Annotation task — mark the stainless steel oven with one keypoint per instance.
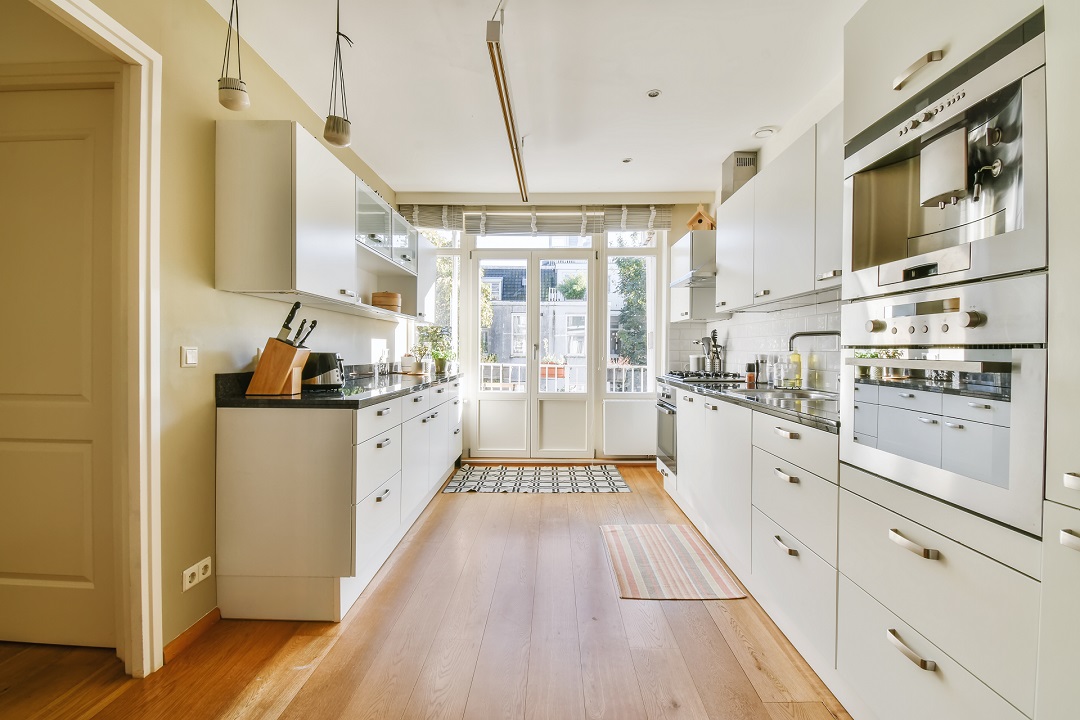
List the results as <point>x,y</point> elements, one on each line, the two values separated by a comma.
<point>665,431</point>
<point>945,391</point>
<point>957,191</point>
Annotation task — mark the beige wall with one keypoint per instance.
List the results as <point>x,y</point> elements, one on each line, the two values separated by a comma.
<point>226,327</point>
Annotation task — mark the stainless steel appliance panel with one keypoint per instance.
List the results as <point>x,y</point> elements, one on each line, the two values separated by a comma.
<point>665,427</point>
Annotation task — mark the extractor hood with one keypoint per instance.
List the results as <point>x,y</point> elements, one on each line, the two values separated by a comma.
<point>700,278</point>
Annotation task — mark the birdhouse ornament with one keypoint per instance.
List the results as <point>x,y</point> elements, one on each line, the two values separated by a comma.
<point>701,220</point>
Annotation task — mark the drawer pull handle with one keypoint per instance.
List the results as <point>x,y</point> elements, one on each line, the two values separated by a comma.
<point>1071,481</point>
<point>919,550</point>
<point>892,637</point>
<point>1070,540</point>
<point>928,421</point>
<point>687,398</point>
<point>711,407</point>
<point>785,477</point>
<point>384,443</point>
<point>978,406</point>
<point>456,432</point>
<point>829,275</point>
<point>906,395</point>
<point>780,544</point>
<point>418,399</point>
<point>958,426</point>
<point>348,293</point>
<point>440,391</point>
<point>383,413</point>
<point>900,80</point>
<point>434,415</point>
<point>424,419</point>
<point>786,434</point>
<point>762,293</point>
<point>382,496</point>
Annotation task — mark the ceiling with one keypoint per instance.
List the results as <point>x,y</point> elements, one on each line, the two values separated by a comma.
<point>426,115</point>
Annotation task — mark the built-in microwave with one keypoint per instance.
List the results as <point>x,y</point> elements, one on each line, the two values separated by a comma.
<point>957,191</point>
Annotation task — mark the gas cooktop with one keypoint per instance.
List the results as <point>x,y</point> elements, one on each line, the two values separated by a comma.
<point>704,377</point>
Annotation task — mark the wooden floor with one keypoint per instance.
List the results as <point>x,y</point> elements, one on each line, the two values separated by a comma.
<point>493,606</point>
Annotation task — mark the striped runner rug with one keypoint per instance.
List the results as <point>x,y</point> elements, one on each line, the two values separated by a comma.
<point>667,562</point>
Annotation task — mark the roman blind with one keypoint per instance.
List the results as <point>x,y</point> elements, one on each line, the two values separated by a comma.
<point>438,217</point>
<point>539,220</point>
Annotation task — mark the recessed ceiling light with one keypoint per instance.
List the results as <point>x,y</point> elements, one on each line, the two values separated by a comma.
<point>764,132</point>
<point>654,93</point>
<point>628,160</point>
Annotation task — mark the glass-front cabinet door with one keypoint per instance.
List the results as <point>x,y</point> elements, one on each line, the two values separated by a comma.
<point>403,243</point>
<point>372,220</point>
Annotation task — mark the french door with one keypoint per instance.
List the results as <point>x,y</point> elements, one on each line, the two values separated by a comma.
<point>535,312</point>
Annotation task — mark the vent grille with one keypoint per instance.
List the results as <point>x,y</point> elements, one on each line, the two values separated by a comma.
<point>745,162</point>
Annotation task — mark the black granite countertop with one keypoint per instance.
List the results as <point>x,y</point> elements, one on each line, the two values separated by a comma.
<point>357,392</point>
<point>819,414</point>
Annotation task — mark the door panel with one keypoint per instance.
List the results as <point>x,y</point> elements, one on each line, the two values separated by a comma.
<point>56,467</point>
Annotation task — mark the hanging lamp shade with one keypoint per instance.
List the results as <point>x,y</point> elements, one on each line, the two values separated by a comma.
<point>338,129</point>
<point>232,92</point>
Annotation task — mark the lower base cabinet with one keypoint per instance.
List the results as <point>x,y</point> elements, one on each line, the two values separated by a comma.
<point>1058,695</point>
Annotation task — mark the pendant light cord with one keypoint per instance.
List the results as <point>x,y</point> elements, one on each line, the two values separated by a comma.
<point>234,12</point>
<point>338,79</point>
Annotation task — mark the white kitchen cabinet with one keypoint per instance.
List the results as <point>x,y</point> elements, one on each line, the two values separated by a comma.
<point>829,200</point>
<point>690,437</point>
<point>735,250</point>
<point>784,223</point>
<point>1058,689</point>
<point>910,434</point>
<point>692,304</point>
<point>810,448</point>
<point>373,220</point>
<point>800,501</point>
<point>439,453</point>
<point>885,39</point>
<point>287,220</point>
<point>378,515</point>
<point>415,459</point>
<point>723,487</point>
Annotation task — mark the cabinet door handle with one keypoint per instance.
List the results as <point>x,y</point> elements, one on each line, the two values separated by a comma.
<point>919,550</point>
<point>978,406</point>
<point>384,443</point>
<point>928,421</point>
<point>829,275</point>
<point>348,293</point>
<point>383,495</point>
<point>457,431</point>
<point>684,314</point>
<point>906,395</point>
<point>785,477</point>
<point>957,426</point>
<point>1070,540</point>
<point>687,398</point>
<point>780,544</point>
<point>711,407</point>
<point>910,654</point>
<point>761,293</point>
<point>663,471</point>
<point>434,415</point>
<point>384,412</point>
<point>424,419</point>
<point>721,303</point>
<point>901,80</point>
<point>407,258</point>
<point>1071,481</point>
<point>418,399</point>
<point>786,434</point>
<point>440,391</point>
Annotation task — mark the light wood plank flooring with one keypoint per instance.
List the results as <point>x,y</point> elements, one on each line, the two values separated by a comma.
<point>493,606</point>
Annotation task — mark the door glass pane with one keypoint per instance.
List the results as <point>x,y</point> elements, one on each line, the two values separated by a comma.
<point>503,340</point>
<point>563,288</point>
<point>631,238</point>
<point>630,324</point>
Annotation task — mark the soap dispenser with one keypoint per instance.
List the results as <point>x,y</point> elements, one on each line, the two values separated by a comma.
<point>796,368</point>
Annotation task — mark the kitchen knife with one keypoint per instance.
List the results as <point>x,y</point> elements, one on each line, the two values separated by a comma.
<point>296,340</point>
<point>286,328</point>
<point>311,327</point>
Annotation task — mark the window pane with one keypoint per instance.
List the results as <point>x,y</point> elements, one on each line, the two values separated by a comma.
<point>447,300</point>
<point>563,287</point>
<point>631,304</point>
<point>442,238</point>
<point>502,325</point>
<point>632,238</point>
<point>525,242</point>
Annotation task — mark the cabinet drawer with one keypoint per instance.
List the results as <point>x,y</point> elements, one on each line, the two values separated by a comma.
<point>994,412</point>
<point>984,614</point>
<point>377,517</point>
<point>439,394</point>
<point>915,435</point>
<point>377,418</point>
<point>1059,693</point>
<point>864,392</point>
<point>927,402</point>
<point>867,440</point>
<point>454,407</point>
<point>809,448</point>
<point>799,584</point>
<point>975,450</point>
<point>802,502</point>
<point>890,682</point>
<point>415,403</point>
<point>866,418</point>
<point>455,388</point>
<point>377,460</point>
<point>457,435</point>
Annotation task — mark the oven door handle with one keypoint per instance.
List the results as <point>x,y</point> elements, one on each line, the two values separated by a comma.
<point>968,366</point>
<point>664,410</point>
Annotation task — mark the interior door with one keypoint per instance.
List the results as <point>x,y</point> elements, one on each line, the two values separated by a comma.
<point>534,396</point>
<point>56,387</point>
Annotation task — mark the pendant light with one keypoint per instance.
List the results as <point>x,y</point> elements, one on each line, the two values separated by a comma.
<point>338,130</point>
<point>232,92</point>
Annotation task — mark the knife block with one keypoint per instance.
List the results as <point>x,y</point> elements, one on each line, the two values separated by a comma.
<point>279,370</point>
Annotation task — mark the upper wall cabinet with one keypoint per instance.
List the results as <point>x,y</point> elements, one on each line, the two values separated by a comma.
<point>735,250</point>
<point>829,203</point>
<point>287,220</point>
<point>784,223</point>
<point>693,271</point>
<point>887,45</point>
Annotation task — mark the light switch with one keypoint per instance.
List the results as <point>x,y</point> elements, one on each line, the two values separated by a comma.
<point>189,356</point>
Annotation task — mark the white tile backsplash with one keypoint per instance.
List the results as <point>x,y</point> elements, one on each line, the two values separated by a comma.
<point>681,337</point>
<point>747,335</point>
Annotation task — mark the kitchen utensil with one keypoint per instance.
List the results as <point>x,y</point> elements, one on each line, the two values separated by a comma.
<point>286,327</point>
<point>300,331</point>
<point>706,345</point>
<point>311,329</point>
<point>280,369</point>
<point>324,370</point>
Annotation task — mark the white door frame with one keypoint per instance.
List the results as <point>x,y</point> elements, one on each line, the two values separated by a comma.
<point>137,402</point>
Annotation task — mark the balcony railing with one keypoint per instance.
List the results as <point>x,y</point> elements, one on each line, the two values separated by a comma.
<point>511,377</point>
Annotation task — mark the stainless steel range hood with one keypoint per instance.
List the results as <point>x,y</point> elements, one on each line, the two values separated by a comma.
<point>700,278</point>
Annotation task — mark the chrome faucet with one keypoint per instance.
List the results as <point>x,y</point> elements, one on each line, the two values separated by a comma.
<point>810,333</point>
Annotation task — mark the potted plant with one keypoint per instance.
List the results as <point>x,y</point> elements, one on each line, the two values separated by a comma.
<point>552,366</point>
<point>436,340</point>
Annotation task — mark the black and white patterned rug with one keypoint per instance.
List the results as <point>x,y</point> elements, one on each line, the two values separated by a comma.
<point>537,479</point>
